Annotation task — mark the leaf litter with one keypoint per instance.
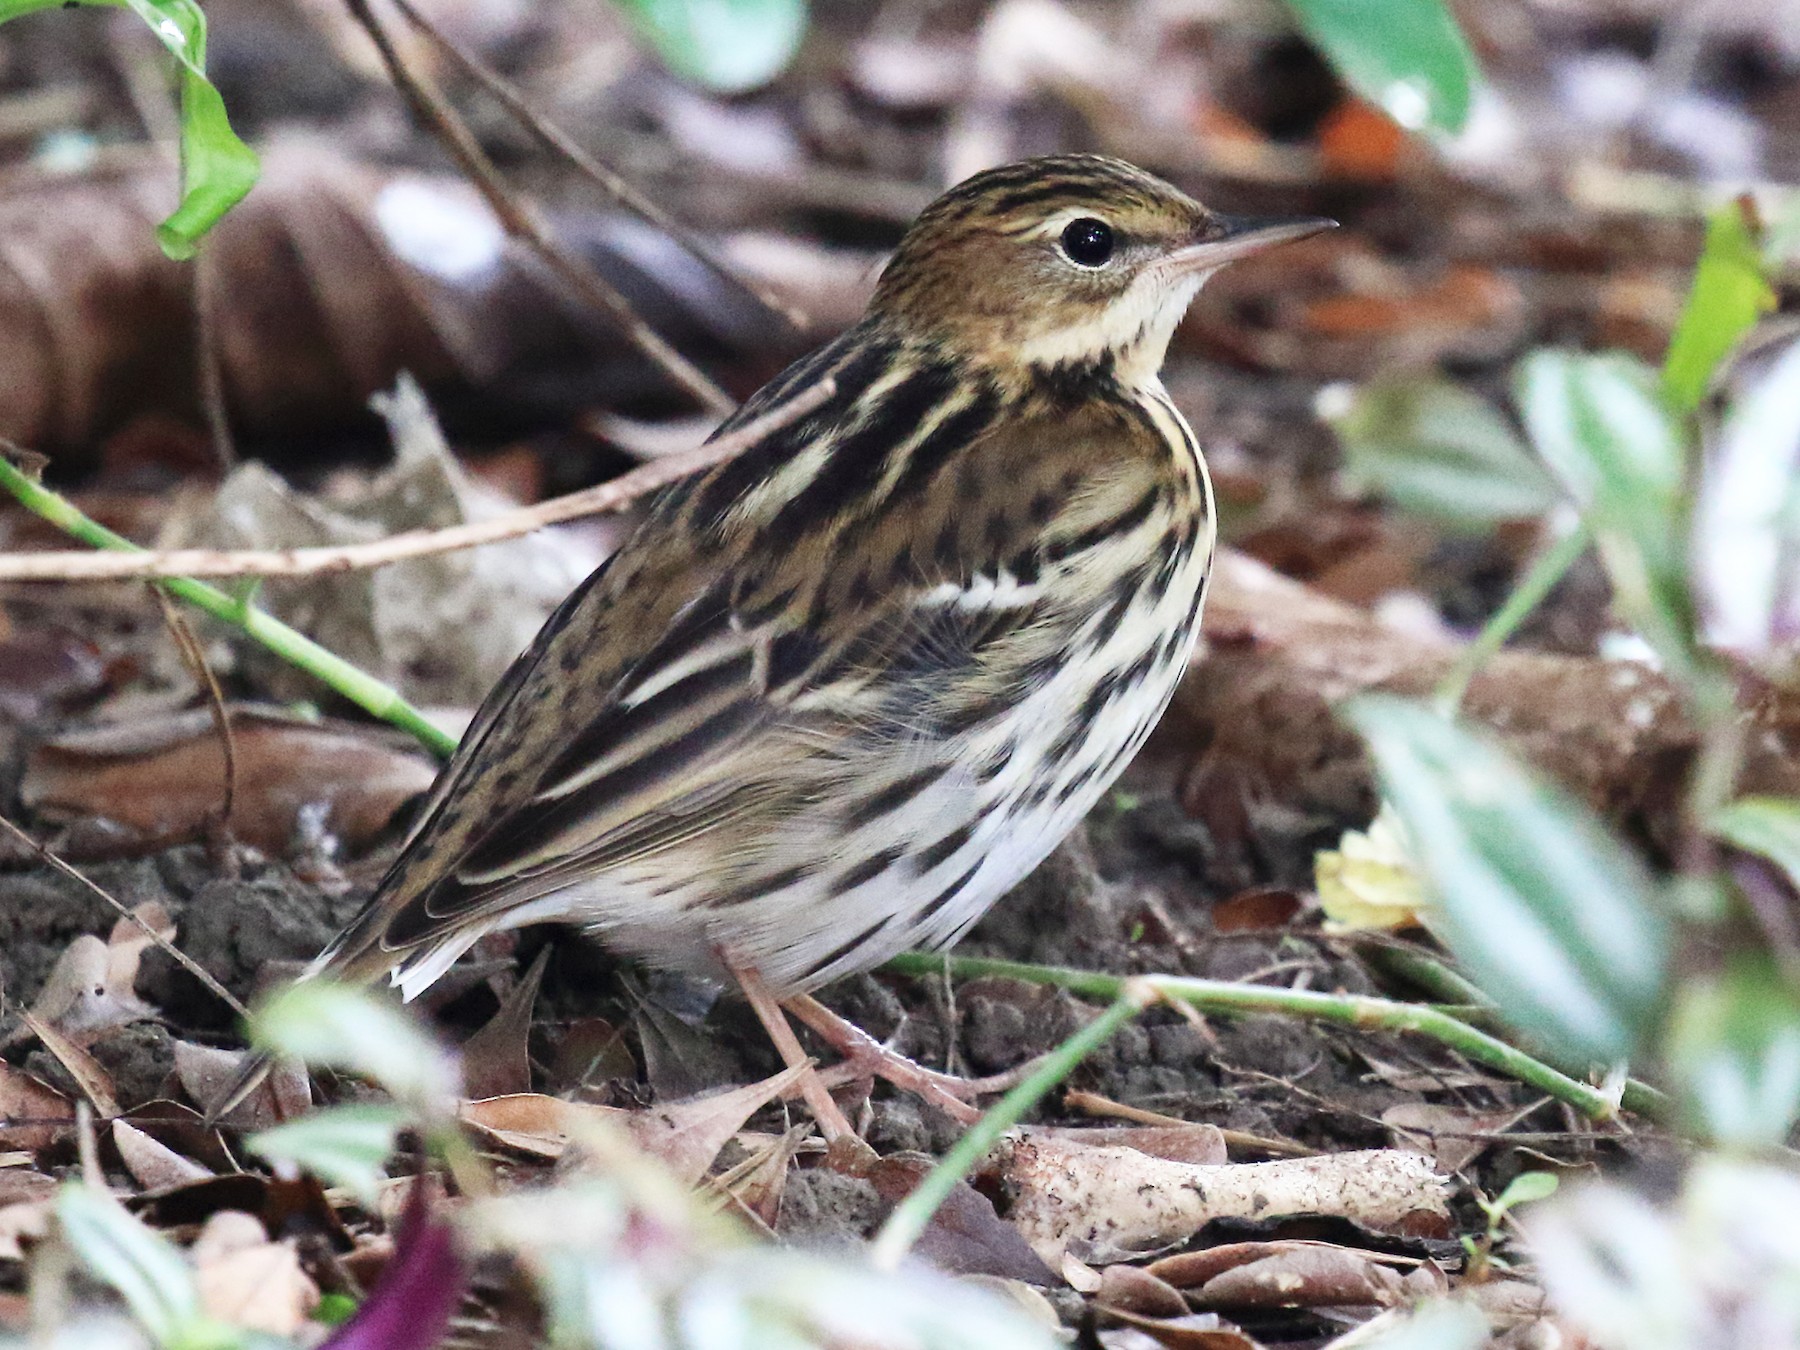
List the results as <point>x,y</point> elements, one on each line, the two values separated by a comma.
<point>1204,861</point>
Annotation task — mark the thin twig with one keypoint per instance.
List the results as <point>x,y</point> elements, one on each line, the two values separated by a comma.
<point>207,354</point>
<point>519,222</point>
<point>181,958</point>
<point>195,659</point>
<point>82,565</point>
<point>374,696</point>
<point>559,142</point>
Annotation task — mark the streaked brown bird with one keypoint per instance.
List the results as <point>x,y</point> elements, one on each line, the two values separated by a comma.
<point>835,697</point>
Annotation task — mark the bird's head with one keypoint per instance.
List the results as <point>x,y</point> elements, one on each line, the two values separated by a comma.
<point>1064,264</point>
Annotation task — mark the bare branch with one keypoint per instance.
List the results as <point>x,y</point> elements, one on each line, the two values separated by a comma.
<point>83,565</point>
<point>520,223</point>
<point>559,142</point>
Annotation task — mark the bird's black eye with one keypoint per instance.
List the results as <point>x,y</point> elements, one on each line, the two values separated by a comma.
<point>1088,242</point>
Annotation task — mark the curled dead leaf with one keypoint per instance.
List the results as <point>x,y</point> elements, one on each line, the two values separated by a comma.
<point>165,776</point>
<point>247,1281</point>
<point>687,1135</point>
<point>32,1114</point>
<point>152,1164</point>
<point>1107,1202</point>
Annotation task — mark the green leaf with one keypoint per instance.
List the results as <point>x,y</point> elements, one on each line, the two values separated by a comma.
<point>1769,826</point>
<point>340,1027</point>
<point>1525,1189</point>
<point>726,45</point>
<point>1600,422</point>
<point>143,1267</point>
<point>1437,450</point>
<point>334,1309</point>
<point>1734,1049</point>
<point>1552,917</point>
<point>1731,291</point>
<point>1407,56</point>
<point>217,168</point>
<point>345,1145</point>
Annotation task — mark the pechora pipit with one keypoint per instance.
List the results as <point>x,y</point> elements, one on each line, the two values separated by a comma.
<point>833,698</point>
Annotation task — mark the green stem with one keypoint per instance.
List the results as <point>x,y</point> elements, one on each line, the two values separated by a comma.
<point>372,695</point>
<point>1440,982</point>
<point>1356,1010</point>
<point>912,1214</point>
<point>1552,566</point>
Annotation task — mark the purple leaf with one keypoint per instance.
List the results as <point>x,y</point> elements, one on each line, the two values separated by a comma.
<point>411,1304</point>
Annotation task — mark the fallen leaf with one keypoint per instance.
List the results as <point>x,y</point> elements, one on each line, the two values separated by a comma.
<point>1133,1289</point>
<point>206,1073</point>
<point>19,1184</point>
<point>1258,909</point>
<point>26,1221</point>
<point>1454,1137</point>
<point>1110,1203</point>
<point>32,1114</point>
<point>495,1060</point>
<point>164,777</point>
<point>1305,1275</point>
<point>45,670</point>
<point>247,1281</point>
<point>686,1135</point>
<point>965,1235</point>
<point>589,1052</point>
<point>153,1165</point>
<point>1195,1331</point>
<point>1357,140</point>
<point>90,988</point>
<point>180,1128</point>
<point>93,1080</point>
<point>760,1182</point>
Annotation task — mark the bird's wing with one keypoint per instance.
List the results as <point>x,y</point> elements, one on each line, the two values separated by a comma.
<point>690,694</point>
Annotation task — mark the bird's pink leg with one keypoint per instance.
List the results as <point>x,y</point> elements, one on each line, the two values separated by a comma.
<point>950,1094</point>
<point>833,1124</point>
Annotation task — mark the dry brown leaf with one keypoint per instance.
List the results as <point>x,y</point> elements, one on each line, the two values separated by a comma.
<point>44,670</point>
<point>26,1221</point>
<point>165,776</point>
<point>93,1080</point>
<point>687,1135</point>
<point>246,1280</point>
<point>1111,1203</point>
<point>1133,1289</point>
<point>1281,656</point>
<point>90,988</point>
<point>965,1235</point>
<point>1194,1331</point>
<point>591,1050</point>
<point>1454,1137</point>
<point>206,1073</point>
<point>495,1060</point>
<point>1258,909</point>
<point>1305,1275</point>
<point>19,1184</point>
<point>759,1186</point>
<point>153,1165</point>
<point>32,1114</point>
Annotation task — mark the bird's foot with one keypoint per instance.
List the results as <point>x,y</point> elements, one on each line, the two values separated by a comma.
<point>866,1057</point>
